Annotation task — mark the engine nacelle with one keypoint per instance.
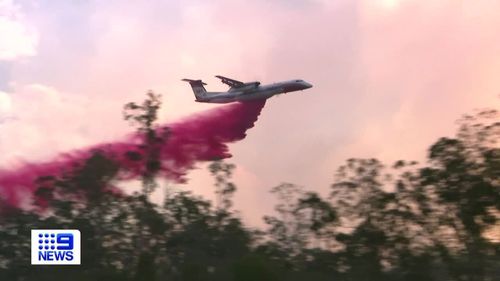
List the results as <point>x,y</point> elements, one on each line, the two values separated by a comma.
<point>246,87</point>
<point>252,84</point>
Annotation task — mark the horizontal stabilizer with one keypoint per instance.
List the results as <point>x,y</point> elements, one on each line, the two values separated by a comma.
<point>191,81</point>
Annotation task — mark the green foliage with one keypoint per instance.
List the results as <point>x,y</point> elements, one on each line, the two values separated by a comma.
<point>402,222</point>
<point>222,172</point>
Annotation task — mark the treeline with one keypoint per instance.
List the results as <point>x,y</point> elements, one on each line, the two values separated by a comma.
<point>432,221</point>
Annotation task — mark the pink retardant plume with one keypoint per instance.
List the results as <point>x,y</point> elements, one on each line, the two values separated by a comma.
<point>200,137</point>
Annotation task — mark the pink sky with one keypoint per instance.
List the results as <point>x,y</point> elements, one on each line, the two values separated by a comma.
<point>390,77</point>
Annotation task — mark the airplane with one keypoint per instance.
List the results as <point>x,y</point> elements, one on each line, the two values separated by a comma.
<point>241,92</point>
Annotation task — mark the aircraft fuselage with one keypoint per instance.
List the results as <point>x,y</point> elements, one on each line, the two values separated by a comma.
<point>254,92</point>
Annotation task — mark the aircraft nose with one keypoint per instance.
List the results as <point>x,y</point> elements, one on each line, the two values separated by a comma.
<point>307,85</point>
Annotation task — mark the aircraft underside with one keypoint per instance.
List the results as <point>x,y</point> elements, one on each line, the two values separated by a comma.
<point>241,97</point>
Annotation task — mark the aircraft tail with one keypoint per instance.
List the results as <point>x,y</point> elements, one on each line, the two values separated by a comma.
<point>198,89</point>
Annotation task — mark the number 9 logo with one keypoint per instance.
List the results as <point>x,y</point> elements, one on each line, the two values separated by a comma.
<point>65,241</point>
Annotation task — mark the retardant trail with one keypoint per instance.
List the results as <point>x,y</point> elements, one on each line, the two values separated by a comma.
<point>200,137</point>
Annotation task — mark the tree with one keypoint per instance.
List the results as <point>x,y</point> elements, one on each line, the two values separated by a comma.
<point>144,117</point>
<point>224,188</point>
<point>464,173</point>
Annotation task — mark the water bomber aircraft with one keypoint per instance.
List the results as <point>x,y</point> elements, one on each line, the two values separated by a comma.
<point>241,92</point>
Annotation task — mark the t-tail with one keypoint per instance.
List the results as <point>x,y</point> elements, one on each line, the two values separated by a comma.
<point>199,91</point>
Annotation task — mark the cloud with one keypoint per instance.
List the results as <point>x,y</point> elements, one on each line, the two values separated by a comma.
<point>5,104</point>
<point>48,121</point>
<point>17,38</point>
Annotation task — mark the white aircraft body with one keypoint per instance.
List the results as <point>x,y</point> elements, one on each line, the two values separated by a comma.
<point>241,92</point>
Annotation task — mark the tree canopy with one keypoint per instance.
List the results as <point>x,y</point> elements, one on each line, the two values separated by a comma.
<point>437,220</point>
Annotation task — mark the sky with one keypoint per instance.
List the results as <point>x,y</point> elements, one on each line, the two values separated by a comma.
<point>389,76</point>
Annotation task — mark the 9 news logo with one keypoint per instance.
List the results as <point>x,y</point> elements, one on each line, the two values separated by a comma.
<point>55,247</point>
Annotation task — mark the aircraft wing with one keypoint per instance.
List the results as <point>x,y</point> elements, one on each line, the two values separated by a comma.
<point>230,82</point>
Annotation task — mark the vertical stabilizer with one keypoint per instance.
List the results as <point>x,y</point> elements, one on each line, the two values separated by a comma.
<point>197,85</point>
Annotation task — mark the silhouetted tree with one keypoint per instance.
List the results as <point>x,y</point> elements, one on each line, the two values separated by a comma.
<point>225,189</point>
<point>144,117</point>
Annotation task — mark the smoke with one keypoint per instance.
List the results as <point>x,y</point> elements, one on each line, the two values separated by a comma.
<point>200,137</point>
